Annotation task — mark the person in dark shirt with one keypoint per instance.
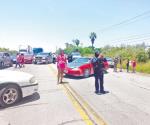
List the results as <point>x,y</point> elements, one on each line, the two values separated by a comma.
<point>98,67</point>
<point>70,58</point>
<point>127,65</point>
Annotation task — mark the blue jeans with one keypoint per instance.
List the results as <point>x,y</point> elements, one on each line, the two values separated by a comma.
<point>18,64</point>
<point>99,81</point>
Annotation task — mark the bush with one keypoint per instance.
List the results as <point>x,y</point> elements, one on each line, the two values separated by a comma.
<point>142,56</point>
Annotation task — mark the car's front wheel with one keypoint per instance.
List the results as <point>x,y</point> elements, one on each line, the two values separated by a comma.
<point>9,95</point>
<point>1,65</point>
<point>86,73</point>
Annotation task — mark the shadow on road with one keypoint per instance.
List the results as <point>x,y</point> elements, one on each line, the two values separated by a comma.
<point>6,67</point>
<point>25,100</point>
<point>76,77</point>
<point>106,92</point>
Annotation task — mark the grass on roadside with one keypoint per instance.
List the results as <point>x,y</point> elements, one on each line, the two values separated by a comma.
<point>141,67</point>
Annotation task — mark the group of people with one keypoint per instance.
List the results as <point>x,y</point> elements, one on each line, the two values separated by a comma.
<point>99,63</point>
<point>100,66</point>
<point>20,60</point>
<point>119,60</point>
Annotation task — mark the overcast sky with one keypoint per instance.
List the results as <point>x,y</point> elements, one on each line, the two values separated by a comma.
<point>51,23</point>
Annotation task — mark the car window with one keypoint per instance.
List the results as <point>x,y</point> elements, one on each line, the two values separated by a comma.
<point>76,54</point>
<point>109,59</point>
<point>81,60</point>
<point>6,54</point>
<point>43,54</point>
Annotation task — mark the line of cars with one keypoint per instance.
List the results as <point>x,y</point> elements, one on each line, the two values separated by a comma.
<point>7,59</point>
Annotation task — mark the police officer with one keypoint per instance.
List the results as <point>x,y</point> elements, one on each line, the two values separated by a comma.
<point>98,67</point>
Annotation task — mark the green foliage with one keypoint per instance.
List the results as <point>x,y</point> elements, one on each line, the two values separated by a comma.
<point>142,56</point>
<point>143,67</point>
<point>4,49</point>
<point>148,52</point>
<point>7,50</point>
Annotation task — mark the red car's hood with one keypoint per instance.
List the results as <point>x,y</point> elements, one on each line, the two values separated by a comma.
<point>73,65</point>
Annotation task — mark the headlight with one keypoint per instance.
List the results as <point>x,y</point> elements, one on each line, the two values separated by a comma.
<point>76,69</point>
<point>43,57</point>
<point>32,80</point>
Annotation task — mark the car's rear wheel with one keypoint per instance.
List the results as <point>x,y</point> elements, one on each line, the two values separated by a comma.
<point>86,73</point>
<point>11,64</point>
<point>9,95</point>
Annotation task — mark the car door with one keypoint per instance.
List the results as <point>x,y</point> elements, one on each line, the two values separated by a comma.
<point>7,58</point>
<point>4,59</point>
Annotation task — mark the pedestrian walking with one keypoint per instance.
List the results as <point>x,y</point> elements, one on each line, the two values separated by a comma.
<point>120,62</point>
<point>98,67</point>
<point>22,61</point>
<point>133,65</point>
<point>127,65</point>
<point>18,58</point>
<point>61,64</point>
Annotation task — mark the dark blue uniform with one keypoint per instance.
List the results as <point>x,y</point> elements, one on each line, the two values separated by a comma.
<point>98,66</point>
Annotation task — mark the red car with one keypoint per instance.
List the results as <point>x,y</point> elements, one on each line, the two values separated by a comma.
<point>79,67</point>
<point>28,58</point>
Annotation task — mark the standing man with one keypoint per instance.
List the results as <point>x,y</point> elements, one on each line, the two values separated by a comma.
<point>120,61</point>
<point>115,64</point>
<point>127,65</point>
<point>98,67</point>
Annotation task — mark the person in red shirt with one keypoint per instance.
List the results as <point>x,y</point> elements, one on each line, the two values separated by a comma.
<point>133,66</point>
<point>61,64</point>
<point>18,59</point>
<point>22,60</point>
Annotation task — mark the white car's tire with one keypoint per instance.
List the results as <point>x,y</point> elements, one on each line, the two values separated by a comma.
<point>9,95</point>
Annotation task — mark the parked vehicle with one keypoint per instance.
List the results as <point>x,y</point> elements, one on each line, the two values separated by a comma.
<point>15,85</point>
<point>79,67</point>
<point>5,60</point>
<point>75,55</point>
<point>28,58</point>
<point>110,62</point>
<point>13,58</point>
<point>37,50</point>
<point>43,58</point>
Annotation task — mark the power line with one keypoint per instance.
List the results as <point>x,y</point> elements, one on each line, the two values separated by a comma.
<point>132,37</point>
<point>131,40</point>
<point>127,21</point>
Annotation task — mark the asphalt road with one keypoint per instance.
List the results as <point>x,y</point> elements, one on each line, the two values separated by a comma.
<point>126,103</point>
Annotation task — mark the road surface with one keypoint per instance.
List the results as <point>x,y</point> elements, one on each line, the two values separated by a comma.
<point>75,103</point>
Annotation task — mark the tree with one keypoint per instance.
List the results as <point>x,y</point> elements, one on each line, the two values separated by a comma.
<point>92,37</point>
<point>76,41</point>
<point>148,53</point>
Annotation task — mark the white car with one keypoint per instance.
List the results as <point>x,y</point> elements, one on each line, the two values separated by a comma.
<point>110,62</point>
<point>14,85</point>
